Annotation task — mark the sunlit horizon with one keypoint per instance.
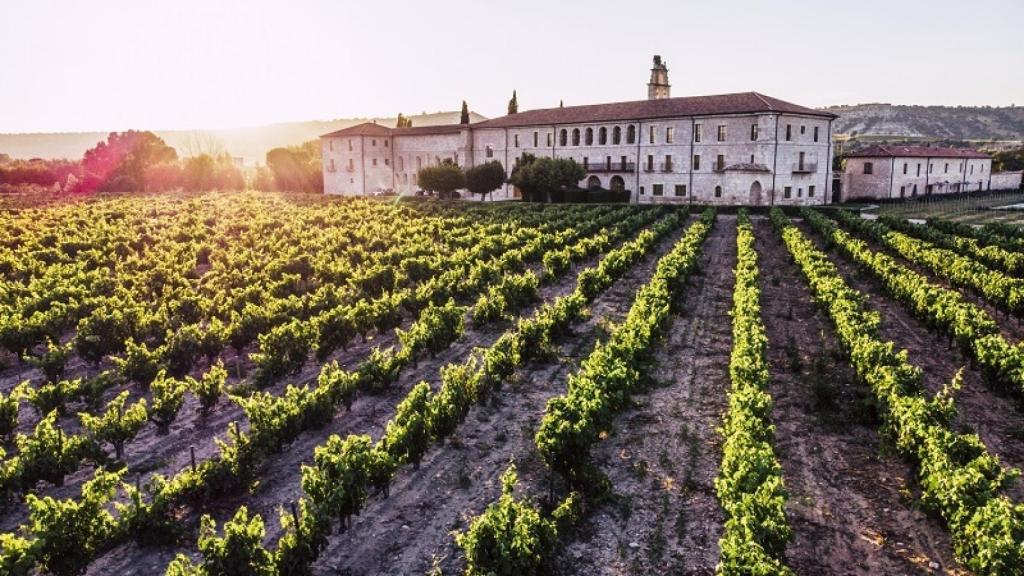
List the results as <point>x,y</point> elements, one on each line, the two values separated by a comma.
<point>115,65</point>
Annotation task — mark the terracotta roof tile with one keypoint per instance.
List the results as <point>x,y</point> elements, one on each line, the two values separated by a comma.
<point>741,103</point>
<point>886,151</point>
<point>364,129</point>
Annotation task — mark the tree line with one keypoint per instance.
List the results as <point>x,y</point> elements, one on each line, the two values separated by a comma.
<point>140,161</point>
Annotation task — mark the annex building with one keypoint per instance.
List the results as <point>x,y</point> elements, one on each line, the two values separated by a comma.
<point>889,172</point>
<point>744,148</point>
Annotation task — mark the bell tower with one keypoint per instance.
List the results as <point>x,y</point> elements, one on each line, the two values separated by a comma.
<point>659,87</point>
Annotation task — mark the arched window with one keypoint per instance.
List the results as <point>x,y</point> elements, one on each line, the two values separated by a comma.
<point>718,191</point>
<point>631,134</point>
<point>616,135</point>
<point>563,138</point>
<point>590,137</point>
<point>617,183</point>
<point>575,136</point>
<point>593,182</point>
<point>602,136</point>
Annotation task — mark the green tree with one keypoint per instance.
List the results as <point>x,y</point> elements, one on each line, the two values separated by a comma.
<point>485,178</point>
<point>118,424</point>
<point>513,104</point>
<point>403,122</point>
<point>123,160</point>
<point>445,178</point>
<point>536,178</point>
<point>297,168</point>
<point>464,118</point>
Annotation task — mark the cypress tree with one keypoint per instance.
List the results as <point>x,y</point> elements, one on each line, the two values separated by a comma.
<point>513,104</point>
<point>465,113</point>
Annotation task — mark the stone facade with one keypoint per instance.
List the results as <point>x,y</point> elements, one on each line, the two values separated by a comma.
<point>1006,180</point>
<point>892,172</point>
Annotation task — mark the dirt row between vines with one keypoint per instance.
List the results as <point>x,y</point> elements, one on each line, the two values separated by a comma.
<point>847,490</point>
<point>151,453</point>
<point>412,489</point>
<point>663,454</point>
<point>995,417</point>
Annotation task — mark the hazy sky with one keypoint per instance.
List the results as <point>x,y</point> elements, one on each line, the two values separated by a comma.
<point>105,65</point>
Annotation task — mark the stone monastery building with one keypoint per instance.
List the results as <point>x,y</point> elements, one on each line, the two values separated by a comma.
<point>744,148</point>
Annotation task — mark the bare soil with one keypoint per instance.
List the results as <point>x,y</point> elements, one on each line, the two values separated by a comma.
<point>850,497</point>
<point>411,532</point>
<point>279,484</point>
<point>993,415</point>
<point>663,455</point>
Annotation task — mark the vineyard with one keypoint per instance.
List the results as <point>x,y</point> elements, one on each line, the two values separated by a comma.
<point>235,384</point>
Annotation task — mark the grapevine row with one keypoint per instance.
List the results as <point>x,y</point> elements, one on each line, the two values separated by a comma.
<point>346,471</point>
<point>960,480</point>
<point>992,256</point>
<point>749,485</point>
<point>974,331</point>
<point>275,422</point>
<point>513,536</point>
<point>1003,291</point>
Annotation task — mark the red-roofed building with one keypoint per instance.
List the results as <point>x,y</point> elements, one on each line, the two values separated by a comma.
<point>744,148</point>
<point>890,171</point>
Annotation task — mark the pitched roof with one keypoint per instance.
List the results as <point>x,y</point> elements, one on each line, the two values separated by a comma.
<point>364,129</point>
<point>885,151</point>
<point>740,103</point>
<point>371,129</point>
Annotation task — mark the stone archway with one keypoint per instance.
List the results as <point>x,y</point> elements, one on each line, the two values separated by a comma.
<point>593,182</point>
<point>755,193</point>
<point>617,184</point>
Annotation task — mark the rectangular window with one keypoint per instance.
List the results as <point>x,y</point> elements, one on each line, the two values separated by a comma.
<point>488,151</point>
<point>751,158</point>
<point>810,191</point>
<point>331,169</point>
<point>972,169</point>
<point>650,162</point>
<point>586,162</point>
<point>803,129</point>
<point>349,144</point>
<point>623,166</point>
<point>787,191</point>
<point>536,135</point>
<point>515,137</point>
<point>789,132</point>
<point>670,134</point>
<point>720,162</point>
<point>799,192</point>
<point>721,133</point>
<point>331,144</point>
<point>351,166</point>
<point>550,138</point>
<point>419,162</point>
<point>651,134</point>
<point>815,133</point>
<point>658,190</point>
<point>680,189</point>
<point>946,169</point>
<point>641,190</point>
<point>696,132</point>
<point>374,161</point>
<point>668,163</point>
<point>930,167</point>
<point>918,168</point>
<point>373,142</point>
<point>696,161</point>
<point>753,132</point>
<point>385,142</point>
<point>869,168</point>
<point>387,161</point>
<point>904,167</point>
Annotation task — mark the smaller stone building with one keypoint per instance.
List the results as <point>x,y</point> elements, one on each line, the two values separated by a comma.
<point>890,172</point>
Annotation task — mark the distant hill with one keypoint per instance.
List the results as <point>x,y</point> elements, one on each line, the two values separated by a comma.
<point>251,144</point>
<point>955,123</point>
